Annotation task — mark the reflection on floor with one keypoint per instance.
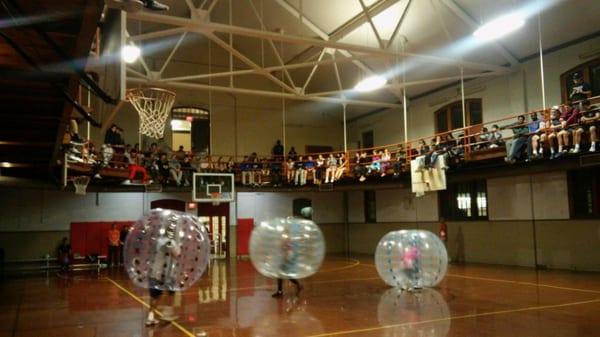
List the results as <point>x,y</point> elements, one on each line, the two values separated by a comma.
<point>346,298</point>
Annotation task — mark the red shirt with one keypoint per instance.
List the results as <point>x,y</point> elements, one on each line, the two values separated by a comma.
<point>443,231</point>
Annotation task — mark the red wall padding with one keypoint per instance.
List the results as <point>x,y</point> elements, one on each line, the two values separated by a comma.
<point>244,229</point>
<point>92,237</point>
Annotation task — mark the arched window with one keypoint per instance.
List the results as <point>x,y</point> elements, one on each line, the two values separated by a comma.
<point>590,72</point>
<point>449,117</point>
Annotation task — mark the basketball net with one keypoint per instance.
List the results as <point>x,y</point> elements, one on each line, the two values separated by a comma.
<point>153,106</point>
<point>215,198</point>
<point>81,184</point>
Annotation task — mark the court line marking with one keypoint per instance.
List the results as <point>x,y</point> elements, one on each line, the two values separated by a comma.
<point>354,264</point>
<point>435,320</point>
<point>143,303</point>
<point>512,282</point>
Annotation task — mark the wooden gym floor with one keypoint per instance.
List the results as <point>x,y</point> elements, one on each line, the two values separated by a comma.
<point>346,298</point>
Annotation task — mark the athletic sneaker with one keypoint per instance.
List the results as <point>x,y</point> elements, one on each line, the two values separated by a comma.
<point>155,5</point>
<point>277,294</point>
<point>593,148</point>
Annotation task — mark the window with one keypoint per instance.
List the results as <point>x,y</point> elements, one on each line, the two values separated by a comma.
<point>370,207</point>
<point>591,74</point>
<point>464,201</point>
<point>450,116</point>
<point>584,193</point>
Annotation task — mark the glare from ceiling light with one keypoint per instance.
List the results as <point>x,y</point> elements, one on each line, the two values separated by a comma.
<point>370,83</point>
<point>500,26</point>
<point>130,53</point>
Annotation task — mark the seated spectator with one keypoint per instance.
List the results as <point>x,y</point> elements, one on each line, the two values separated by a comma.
<point>555,126</point>
<point>176,173</point>
<point>188,171</point>
<point>276,173</point>
<point>309,168</point>
<point>538,138</point>
<point>375,162</point>
<point>534,128</point>
<point>111,136</point>
<point>292,154</point>
<point>256,170</point>
<point>179,154</point>
<point>400,161</point>
<point>164,169</point>
<point>589,120</point>
<point>331,168</point>
<point>568,118</point>
<point>519,142</point>
<point>277,151</point>
<point>299,171</point>
<point>320,169</point>
<point>484,139</point>
<point>246,168</point>
<point>120,141</point>
<point>496,139</point>
<point>341,168</point>
<point>385,161</point>
<point>290,165</point>
<point>362,164</point>
<point>422,147</point>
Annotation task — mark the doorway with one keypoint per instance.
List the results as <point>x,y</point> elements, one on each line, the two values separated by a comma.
<point>217,218</point>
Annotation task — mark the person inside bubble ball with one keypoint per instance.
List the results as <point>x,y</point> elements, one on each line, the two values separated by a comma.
<point>290,257</point>
<point>411,262</point>
<point>162,273</point>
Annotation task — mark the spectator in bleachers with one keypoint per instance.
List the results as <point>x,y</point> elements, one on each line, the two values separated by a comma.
<point>400,161</point>
<point>309,168</point>
<point>292,154</point>
<point>175,173</point>
<point>567,118</point>
<point>179,154</point>
<point>581,90</point>
<point>555,126</point>
<point>332,165</point>
<point>341,168</point>
<point>496,139</point>
<point>164,169</point>
<point>375,162</point>
<point>299,171</point>
<point>320,169</point>
<point>484,139</point>
<point>188,171</point>
<point>119,137</point>
<point>385,161</point>
<point>246,168</point>
<point>290,170</point>
<point>111,136</point>
<point>276,173</point>
<point>589,119</point>
<point>422,147</point>
<point>362,166</point>
<point>519,141</point>
<point>277,151</point>
<point>534,128</point>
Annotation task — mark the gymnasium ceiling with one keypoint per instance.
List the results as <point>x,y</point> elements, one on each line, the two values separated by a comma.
<point>431,27</point>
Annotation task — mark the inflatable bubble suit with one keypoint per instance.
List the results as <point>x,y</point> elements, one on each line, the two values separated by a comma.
<point>287,248</point>
<point>411,259</point>
<point>166,250</point>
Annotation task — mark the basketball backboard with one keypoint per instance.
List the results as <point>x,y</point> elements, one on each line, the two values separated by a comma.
<point>206,185</point>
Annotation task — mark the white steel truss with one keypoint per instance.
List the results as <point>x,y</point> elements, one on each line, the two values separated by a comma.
<point>351,53</point>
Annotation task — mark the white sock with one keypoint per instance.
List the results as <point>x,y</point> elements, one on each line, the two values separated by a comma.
<point>576,146</point>
<point>552,150</point>
<point>151,315</point>
<point>541,151</point>
<point>535,152</point>
<point>560,148</point>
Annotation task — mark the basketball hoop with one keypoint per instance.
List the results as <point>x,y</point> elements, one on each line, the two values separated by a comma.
<point>81,183</point>
<point>215,198</point>
<point>153,106</point>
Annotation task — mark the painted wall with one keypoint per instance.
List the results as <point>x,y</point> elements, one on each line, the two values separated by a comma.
<point>501,96</point>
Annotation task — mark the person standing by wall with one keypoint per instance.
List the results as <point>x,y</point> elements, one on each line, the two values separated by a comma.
<point>113,246</point>
<point>443,233</point>
<point>122,238</point>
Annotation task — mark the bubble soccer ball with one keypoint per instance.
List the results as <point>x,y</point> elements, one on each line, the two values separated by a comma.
<point>166,250</point>
<point>411,259</point>
<point>287,248</point>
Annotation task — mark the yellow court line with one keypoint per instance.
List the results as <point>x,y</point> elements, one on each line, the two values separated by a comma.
<point>135,297</point>
<point>513,282</point>
<point>499,312</point>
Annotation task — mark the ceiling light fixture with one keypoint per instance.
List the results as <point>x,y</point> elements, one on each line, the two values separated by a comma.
<point>500,27</point>
<point>370,83</point>
<point>130,53</point>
